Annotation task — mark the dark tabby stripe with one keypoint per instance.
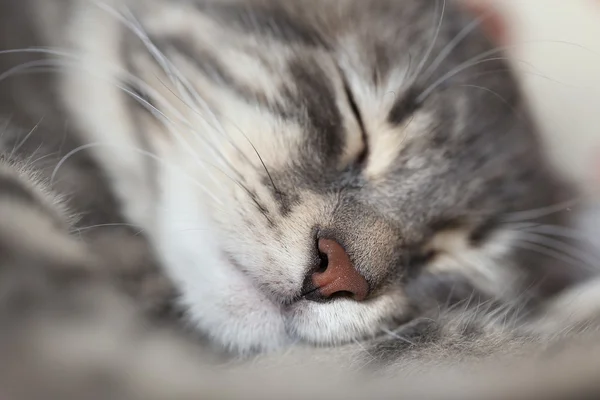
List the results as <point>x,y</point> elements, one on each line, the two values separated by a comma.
<point>213,69</point>
<point>270,21</point>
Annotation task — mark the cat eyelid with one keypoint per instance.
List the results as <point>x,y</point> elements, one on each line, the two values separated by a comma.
<point>364,153</point>
<point>406,106</point>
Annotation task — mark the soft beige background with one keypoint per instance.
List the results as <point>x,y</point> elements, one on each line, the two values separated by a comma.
<point>555,47</point>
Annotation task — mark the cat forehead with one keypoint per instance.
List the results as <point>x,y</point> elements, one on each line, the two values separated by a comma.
<point>270,51</point>
<point>278,70</point>
<point>381,31</point>
<point>293,57</point>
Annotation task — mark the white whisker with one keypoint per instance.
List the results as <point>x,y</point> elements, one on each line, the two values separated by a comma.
<point>70,62</point>
<point>184,87</point>
<point>560,231</point>
<point>455,71</point>
<point>570,250</point>
<point>157,113</point>
<point>139,151</point>
<point>495,94</point>
<point>451,46</point>
<point>421,64</point>
<point>363,348</point>
<point>86,228</point>
<point>172,72</point>
<point>397,336</point>
<point>481,58</point>
<point>522,216</point>
<point>547,252</point>
<point>18,146</point>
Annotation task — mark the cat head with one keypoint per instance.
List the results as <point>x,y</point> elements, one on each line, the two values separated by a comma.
<point>302,161</point>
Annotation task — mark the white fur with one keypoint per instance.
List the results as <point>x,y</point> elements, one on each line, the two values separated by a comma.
<point>221,300</point>
<point>99,108</point>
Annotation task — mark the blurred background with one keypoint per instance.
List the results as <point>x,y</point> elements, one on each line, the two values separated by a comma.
<point>554,46</point>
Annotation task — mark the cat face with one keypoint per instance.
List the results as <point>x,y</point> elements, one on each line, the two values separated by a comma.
<point>314,156</point>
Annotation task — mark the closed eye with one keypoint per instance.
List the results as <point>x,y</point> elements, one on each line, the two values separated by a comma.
<point>362,156</point>
<point>405,107</point>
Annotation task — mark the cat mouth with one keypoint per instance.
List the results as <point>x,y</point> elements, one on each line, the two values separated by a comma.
<point>313,319</point>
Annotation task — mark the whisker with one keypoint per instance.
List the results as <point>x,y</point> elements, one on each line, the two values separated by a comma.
<point>31,161</point>
<point>168,123</point>
<point>162,162</point>
<point>495,94</point>
<point>27,66</point>
<point>498,50</point>
<point>421,64</point>
<point>364,349</point>
<point>213,149</point>
<point>474,262</point>
<point>397,336</point>
<point>526,72</point>
<point>136,150</point>
<point>522,216</point>
<point>556,230</point>
<point>18,146</point>
<point>449,297</point>
<point>153,109</point>
<point>183,85</point>
<point>172,72</point>
<point>233,144</point>
<point>185,88</point>
<point>86,228</point>
<point>547,252</point>
<point>74,57</point>
<point>452,45</point>
<point>265,168</point>
<point>558,245</point>
<point>455,71</point>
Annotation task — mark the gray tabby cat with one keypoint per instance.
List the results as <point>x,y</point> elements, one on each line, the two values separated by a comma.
<point>302,170</point>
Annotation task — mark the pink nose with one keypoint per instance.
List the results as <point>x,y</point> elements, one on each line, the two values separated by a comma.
<point>340,277</point>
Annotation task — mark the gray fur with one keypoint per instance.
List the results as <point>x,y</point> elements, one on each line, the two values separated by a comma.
<point>468,159</point>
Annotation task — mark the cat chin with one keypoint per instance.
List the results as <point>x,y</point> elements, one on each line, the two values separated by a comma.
<point>344,321</point>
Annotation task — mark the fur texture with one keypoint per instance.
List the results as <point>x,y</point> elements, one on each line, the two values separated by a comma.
<point>235,134</point>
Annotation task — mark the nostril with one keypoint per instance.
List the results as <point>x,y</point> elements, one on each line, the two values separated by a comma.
<point>342,294</point>
<point>336,276</point>
<point>324,262</point>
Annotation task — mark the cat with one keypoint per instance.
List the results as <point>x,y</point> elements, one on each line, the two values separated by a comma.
<point>256,143</point>
<point>355,142</point>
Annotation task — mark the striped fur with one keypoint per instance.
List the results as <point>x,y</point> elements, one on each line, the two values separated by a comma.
<point>261,126</point>
<point>233,134</point>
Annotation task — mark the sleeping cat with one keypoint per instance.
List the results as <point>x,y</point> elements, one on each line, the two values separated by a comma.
<point>295,165</point>
<point>303,172</point>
